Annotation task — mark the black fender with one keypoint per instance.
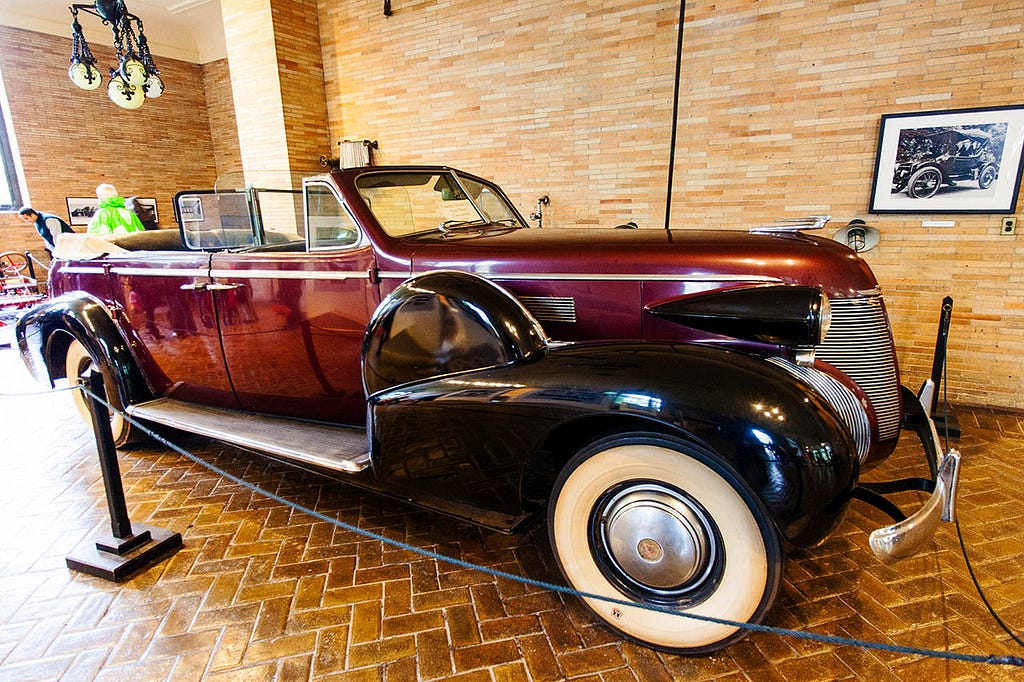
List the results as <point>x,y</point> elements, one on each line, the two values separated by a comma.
<point>45,332</point>
<point>492,429</point>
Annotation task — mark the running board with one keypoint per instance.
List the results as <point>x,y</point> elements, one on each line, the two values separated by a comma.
<point>337,448</point>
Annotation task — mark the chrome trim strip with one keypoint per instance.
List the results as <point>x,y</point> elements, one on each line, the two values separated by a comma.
<point>784,225</point>
<point>287,274</point>
<point>163,272</point>
<point>530,276</point>
<point>83,270</point>
<point>541,276</point>
<point>225,274</point>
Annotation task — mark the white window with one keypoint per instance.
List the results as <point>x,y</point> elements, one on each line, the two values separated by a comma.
<point>11,197</point>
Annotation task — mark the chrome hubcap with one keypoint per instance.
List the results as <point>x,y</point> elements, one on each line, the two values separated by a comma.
<point>656,540</point>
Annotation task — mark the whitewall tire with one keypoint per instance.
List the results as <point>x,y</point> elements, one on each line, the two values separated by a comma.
<point>653,520</point>
<point>79,364</point>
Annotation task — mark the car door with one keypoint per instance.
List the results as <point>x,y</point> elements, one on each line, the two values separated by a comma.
<point>169,305</point>
<point>292,322</point>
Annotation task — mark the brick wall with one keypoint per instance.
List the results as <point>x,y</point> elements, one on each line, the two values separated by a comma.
<point>71,140</point>
<point>779,117</point>
<point>220,110</point>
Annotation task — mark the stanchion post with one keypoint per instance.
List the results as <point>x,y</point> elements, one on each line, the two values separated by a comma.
<point>120,524</point>
<point>129,548</point>
<point>31,267</point>
<point>945,421</point>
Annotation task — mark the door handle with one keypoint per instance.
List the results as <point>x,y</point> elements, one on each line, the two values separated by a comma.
<point>209,286</point>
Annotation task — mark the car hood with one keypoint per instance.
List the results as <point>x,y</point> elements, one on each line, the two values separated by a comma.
<point>791,258</point>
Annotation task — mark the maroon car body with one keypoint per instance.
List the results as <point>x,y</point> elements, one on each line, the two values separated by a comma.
<point>374,305</point>
<point>581,284</point>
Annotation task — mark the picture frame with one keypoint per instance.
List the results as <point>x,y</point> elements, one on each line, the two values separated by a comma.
<point>953,161</point>
<point>150,203</point>
<point>190,208</point>
<point>82,209</point>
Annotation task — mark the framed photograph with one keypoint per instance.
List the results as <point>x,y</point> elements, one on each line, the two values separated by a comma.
<point>963,161</point>
<point>190,208</point>
<point>81,209</point>
<point>149,203</point>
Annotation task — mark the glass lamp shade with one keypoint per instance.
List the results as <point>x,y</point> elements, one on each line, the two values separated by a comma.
<point>85,76</point>
<point>133,71</point>
<point>123,94</point>
<point>154,87</point>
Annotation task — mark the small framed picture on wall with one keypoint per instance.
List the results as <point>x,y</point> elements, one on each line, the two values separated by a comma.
<point>957,161</point>
<point>81,209</point>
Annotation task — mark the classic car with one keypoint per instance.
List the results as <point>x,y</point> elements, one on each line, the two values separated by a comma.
<point>680,405</point>
<point>932,157</point>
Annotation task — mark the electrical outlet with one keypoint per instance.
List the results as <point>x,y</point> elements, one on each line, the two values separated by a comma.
<point>1009,225</point>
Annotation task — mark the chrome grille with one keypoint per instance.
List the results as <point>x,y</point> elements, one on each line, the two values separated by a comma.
<point>839,397</point>
<point>859,344</point>
<point>551,308</point>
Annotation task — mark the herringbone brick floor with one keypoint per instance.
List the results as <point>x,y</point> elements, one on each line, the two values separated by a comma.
<point>260,592</point>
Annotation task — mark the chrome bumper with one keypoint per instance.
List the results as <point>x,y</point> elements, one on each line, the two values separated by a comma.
<point>905,538</point>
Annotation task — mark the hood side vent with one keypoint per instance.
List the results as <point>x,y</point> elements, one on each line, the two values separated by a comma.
<point>551,308</point>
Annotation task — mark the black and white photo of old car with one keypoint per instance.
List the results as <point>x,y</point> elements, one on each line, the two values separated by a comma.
<point>929,158</point>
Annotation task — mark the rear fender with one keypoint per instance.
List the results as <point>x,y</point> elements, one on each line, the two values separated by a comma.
<point>45,333</point>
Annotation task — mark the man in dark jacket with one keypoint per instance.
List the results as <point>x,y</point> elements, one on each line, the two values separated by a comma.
<point>47,225</point>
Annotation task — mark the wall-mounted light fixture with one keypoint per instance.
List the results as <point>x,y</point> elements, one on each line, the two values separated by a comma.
<point>538,215</point>
<point>858,235</point>
<point>136,76</point>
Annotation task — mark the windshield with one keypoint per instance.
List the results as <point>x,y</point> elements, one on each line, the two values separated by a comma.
<point>408,203</point>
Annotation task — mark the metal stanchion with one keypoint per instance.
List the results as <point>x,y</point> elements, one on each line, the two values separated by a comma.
<point>945,420</point>
<point>130,547</point>
<point>31,267</point>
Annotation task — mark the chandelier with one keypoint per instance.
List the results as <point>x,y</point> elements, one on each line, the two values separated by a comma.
<point>136,76</point>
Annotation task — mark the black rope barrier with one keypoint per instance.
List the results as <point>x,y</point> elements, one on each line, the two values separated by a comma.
<point>987,659</point>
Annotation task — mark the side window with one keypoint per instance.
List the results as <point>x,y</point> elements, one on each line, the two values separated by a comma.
<point>328,224</point>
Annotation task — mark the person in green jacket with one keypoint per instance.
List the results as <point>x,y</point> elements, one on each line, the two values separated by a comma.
<point>112,217</point>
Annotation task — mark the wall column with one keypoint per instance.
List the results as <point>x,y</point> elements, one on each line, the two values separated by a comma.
<point>277,80</point>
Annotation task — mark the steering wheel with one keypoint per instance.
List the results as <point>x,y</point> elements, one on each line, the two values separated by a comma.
<point>12,263</point>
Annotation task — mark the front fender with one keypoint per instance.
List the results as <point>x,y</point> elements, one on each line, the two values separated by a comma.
<point>45,332</point>
<point>480,434</point>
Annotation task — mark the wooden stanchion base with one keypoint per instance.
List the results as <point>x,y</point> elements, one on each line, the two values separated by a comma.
<point>129,556</point>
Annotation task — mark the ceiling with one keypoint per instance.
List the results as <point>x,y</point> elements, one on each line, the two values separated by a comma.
<point>191,30</point>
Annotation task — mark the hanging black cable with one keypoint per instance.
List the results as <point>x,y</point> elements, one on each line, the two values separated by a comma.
<point>675,117</point>
<point>959,533</point>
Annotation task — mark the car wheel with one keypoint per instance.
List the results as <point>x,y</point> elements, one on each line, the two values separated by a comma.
<point>79,364</point>
<point>924,183</point>
<point>987,176</point>
<point>654,521</point>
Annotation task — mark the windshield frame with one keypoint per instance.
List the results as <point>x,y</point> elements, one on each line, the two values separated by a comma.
<point>430,219</point>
